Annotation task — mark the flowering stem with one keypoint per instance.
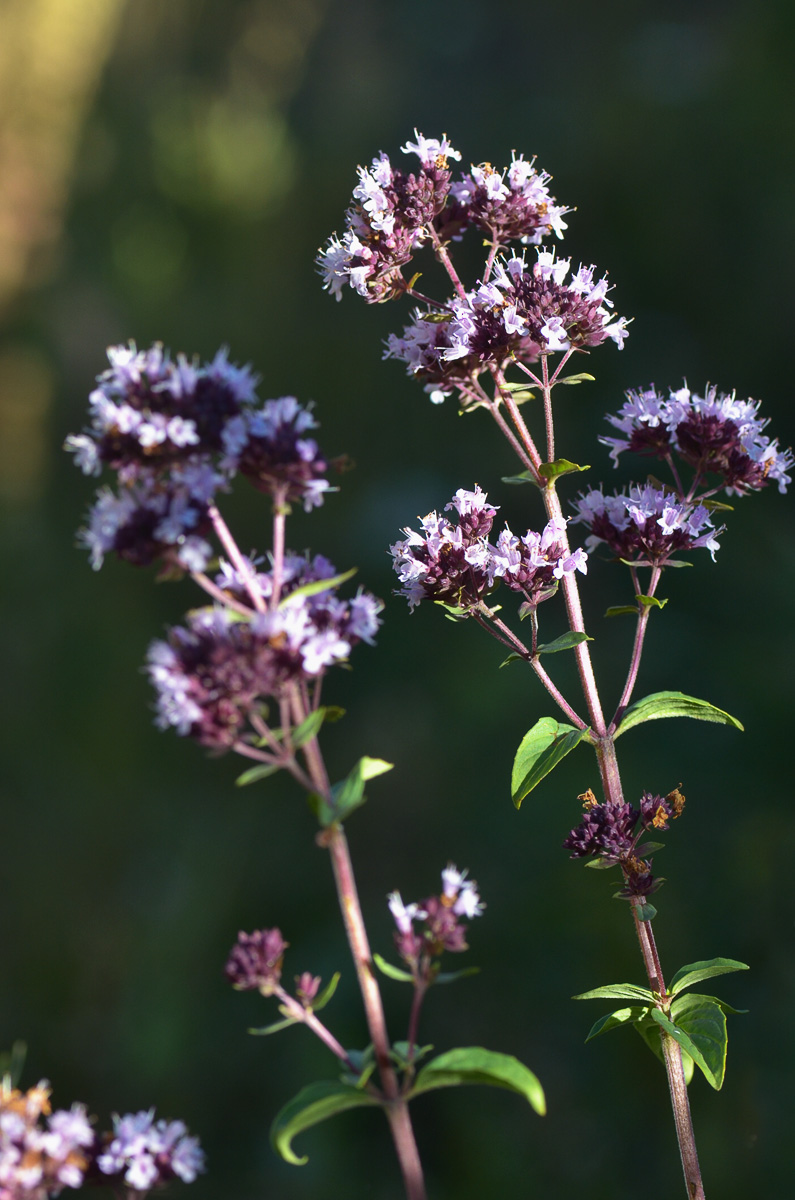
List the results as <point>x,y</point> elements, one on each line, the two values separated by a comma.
<point>396,1107</point>
<point>235,557</point>
<point>420,988</point>
<point>279,515</point>
<point>218,594</point>
<point>445,260</point>
<point>637,649</point>
<point>672,1056</point>
<point>308,1018</point>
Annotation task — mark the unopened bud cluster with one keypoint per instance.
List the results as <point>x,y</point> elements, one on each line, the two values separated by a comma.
<point>613,833</point>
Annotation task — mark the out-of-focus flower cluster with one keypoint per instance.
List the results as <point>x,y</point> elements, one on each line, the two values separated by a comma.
<point>143,1152</point>
<point>715,434</point>
<point>646,525</point>
<point>438,920</point>
<point>456,563</point>
<point>614,832</point>
<point>42,1152</point>
<point>217,672</point>
<point>175,432</point>
<point>516,312</point>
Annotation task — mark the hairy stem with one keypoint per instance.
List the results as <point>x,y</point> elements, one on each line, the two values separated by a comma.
<point>235,557</point>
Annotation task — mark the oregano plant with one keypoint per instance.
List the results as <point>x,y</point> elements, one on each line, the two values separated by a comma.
<point>503,343</point>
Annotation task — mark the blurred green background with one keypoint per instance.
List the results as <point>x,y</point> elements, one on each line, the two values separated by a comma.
<point>167,170</point>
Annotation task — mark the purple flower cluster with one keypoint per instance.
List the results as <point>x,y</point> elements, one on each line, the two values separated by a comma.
<point>456,563</point>
<point>439,918</point>
<point>714,434</point>
<point>42,1152</point>
<point>646,525</point>
<point>612,832</point>
<point>143,1152</point>
<point>510,205</point>
<point>217,672</point>
<point>255,962</point>
<point>387,222</point>
<point>174,433</point>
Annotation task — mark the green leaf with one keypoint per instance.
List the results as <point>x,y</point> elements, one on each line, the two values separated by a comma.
<point>322,998</point>
<point>400,1053</point>
<point>647,848</point>
<point>313,1104</point>
<point>318,585</point>
<point>541,749</point>
<point>681,1003</point>
<point>254,774</point>
<point>386,968</point>
<point>646,912</point>
<point>685,977</point>
<point>617,1020</point>
<point>523,477</point>
<point>561,466</point>
<point>512,658</point>
<point>473,1064</point>
<point>618,610</point>
<point>650,601</point>
<point>566,641</point>
<point>512,387</point>
<point>582,377</point>
<point>265,1030</point>
<point>452,976</point>
<point>349,794</point>
<point>700,1029</point>
<point>309,727</point>
<point>618,991</point>
<point>649,1031</point>
<point>673,704</point>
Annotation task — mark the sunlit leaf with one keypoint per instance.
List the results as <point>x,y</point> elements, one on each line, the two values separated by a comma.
<point>686,976</point>
<point>673,704</point>
<point>473,1064</point>
<point>540,750</point>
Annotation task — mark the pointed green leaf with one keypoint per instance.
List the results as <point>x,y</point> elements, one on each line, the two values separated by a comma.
<point>318,585</point>
<point>473,1064</point>
<point>512,387</point>
<point>685,977</point>
<point>617,1020</point>
<point>618,991</point>
<point>673,704</point>
<point>681,1004</point>
<point>618,610</point>
<point>581,377</point>
<point>541,749</point>
<point>309,727</point>
<point>566,641</point>
<point>349,794</point>
<point>254,774</point>
<point>313,1104</point>
<point>561,466</point>
<point>523,477</point>
<point>513,658</point>
<point>650,601</point>
<point>265,1030</point>
<point>700,1029</point>
<point>322,999</point>
<point>386,968</point>
<point>600,864</point>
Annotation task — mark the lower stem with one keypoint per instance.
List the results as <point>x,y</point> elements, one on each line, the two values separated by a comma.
<point>396,1107</point>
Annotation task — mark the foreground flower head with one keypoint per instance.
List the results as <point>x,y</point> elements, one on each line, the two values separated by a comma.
<point>217,672</point>
<point>455,563</point>
<point>715,434</point>
<point>438,919</point>
<point>510,205</point>
<point>646,525</point>
<point>387,221</point>
<point>175,433</point>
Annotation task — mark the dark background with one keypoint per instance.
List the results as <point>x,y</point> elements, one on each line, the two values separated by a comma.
<point>168,171</point>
